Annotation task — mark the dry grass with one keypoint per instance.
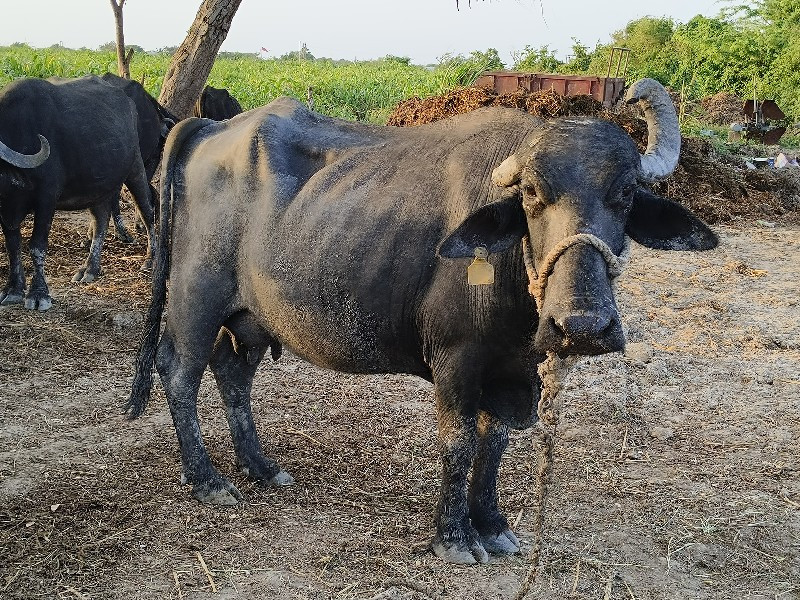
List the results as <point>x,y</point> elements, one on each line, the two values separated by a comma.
<point>675,470</point>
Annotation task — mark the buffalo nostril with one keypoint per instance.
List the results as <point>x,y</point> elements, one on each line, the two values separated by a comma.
<point>585,326</point>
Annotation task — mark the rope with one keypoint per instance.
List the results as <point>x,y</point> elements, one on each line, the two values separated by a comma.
<point>551,373</point>
<point>538,281</point>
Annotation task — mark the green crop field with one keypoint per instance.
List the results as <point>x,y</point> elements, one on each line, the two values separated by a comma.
<point>364,91</point>
<point>745,51</point>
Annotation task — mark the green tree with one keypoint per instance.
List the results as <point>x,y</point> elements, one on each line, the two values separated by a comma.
<point>650,42</point>
<point>489,60</point>
<point>777,25</point>
<point>580,59</point>
<point>539,60</point>
<point>459,70</point>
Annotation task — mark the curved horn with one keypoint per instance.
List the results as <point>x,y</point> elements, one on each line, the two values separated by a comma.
<point>508,172</point>
<point>663,132</point>
<point>26,161</point>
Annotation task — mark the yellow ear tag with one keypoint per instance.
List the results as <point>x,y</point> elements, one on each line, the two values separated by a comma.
<point>480,272</point>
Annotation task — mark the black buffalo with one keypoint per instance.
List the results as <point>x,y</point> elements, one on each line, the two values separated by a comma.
<point>153,126</point>
<point>66,144</point>
<point>217,104</point>
<point>345,242</point>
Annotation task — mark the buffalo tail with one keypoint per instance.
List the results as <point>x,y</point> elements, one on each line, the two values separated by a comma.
<point>145,358</point>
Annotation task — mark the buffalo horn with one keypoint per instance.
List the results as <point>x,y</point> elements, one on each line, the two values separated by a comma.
<point>507,173</point>
<point>26,161</point>
<point>663,132</point>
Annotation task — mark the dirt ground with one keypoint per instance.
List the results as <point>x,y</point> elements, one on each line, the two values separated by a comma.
<point>675,476</point>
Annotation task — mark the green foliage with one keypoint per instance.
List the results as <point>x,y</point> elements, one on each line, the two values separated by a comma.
<point>651,53</point>
<point>458,70</point>
<point>746,46</point>
<point>365,91</point>
<point>303,54</point>
<point>746,49</point>
<point>580,59</point>
<point>538,60</point>
<point>403,60</point>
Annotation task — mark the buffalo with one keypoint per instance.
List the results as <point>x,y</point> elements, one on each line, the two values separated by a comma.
<point>154,123</point>
<point>214,103</point>
<point>65,144</point>
<point>346,243</point>
<point>217,104</point>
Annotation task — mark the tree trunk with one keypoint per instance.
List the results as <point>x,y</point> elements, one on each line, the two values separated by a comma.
<point>123,61</point>
<point>190,65</point>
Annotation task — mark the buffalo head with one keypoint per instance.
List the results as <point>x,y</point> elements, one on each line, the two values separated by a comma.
<point>575,190</point>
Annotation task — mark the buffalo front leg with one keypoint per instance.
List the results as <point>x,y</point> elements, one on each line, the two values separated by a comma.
<point>38,296</point>
<point>14,290</point>
<point>234,367</point>
<point>181,374</point>
<point>456,540</point>
<point>484,512</point>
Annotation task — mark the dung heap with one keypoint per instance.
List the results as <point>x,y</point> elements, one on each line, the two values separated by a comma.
<point>717,187</point>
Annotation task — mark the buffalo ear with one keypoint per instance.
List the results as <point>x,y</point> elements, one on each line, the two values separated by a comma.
<point>497,226</point>
<point>663,224</point>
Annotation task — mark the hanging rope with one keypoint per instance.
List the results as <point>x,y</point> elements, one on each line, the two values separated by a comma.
<point>552,372</point>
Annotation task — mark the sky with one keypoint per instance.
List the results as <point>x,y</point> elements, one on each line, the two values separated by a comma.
<point>423,30</point>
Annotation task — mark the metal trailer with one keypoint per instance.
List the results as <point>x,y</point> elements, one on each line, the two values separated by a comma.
<point>606,89</point>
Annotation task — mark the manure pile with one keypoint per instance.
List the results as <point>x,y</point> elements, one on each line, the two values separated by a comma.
<point>717,188</point>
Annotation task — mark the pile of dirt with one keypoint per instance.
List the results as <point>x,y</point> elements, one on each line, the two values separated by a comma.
<point>722,108</point>
<point>719,188</point>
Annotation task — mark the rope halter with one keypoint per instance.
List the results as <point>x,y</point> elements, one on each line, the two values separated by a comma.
<point>538,281</point>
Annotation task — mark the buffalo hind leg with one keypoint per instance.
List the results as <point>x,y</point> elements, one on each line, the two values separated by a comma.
<point>180,375</point>
<point>140,189</point>
<point>98,229</point>
<point>234,367</point>
<point>456,539</point>
<point>123,235</point>
<point>484,513</point>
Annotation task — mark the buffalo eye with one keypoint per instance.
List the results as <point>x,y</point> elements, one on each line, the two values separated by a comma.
<point>622,196</point>
<point>531,203</point>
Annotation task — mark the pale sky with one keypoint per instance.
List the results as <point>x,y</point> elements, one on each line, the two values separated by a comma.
<point>423,30</point>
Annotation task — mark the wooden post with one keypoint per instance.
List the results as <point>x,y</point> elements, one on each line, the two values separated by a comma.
<point>123,58</point>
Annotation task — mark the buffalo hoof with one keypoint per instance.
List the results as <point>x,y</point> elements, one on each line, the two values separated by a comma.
<point>125,237</point>
<point>458,553</point>
<point>84,276</point>
<point>219,492</point>
<point>503,543</point>
<point>40,303</point>
<point>7,298</point>
<point>282,479</point>
<point>265,471</point>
